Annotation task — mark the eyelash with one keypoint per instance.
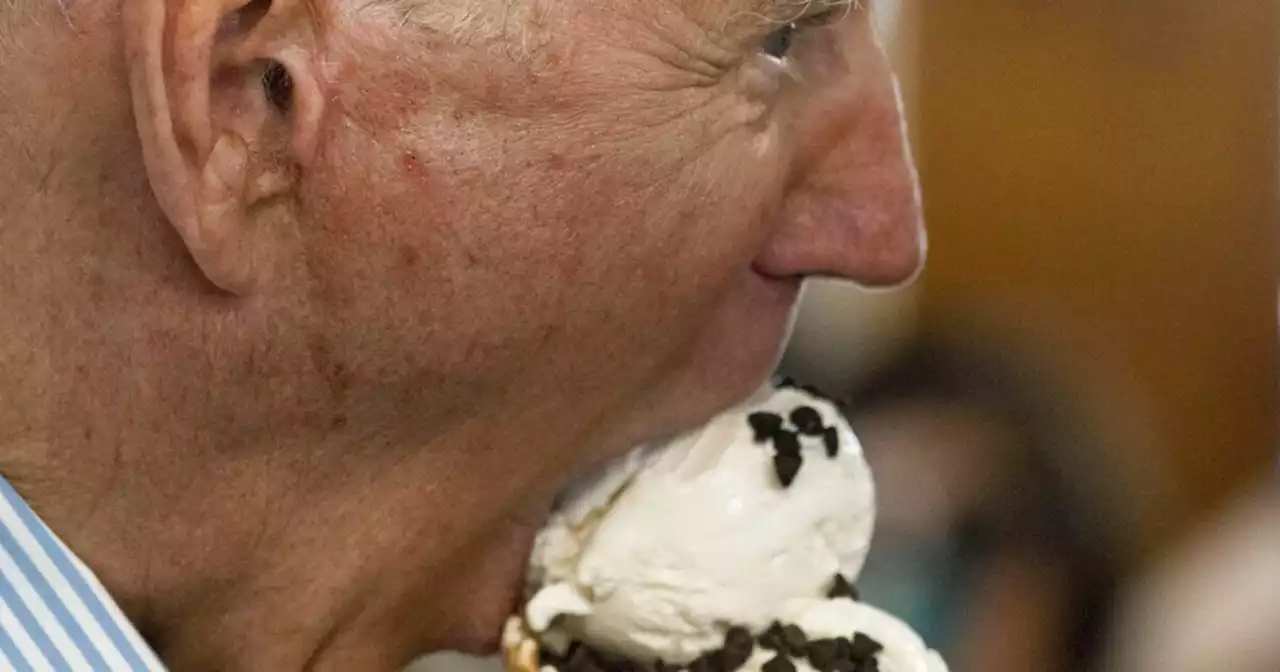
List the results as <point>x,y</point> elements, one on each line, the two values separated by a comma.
<point>783,38</point>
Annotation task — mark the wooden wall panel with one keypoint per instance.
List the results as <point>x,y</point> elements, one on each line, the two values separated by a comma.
<point>1106,169</point>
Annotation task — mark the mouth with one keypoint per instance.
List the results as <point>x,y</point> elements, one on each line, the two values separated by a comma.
<point>782,281</point>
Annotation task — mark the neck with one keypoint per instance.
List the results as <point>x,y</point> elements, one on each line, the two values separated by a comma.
<point>324,553</point>
<point>247,520</point>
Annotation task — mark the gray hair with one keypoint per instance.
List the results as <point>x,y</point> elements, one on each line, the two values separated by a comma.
<point>516,23</point>
<point>509,25</point>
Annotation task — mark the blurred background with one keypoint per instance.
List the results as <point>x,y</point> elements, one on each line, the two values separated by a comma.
<point>1072,414</point>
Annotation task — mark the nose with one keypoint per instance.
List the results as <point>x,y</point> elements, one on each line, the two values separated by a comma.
<point>852,206</point>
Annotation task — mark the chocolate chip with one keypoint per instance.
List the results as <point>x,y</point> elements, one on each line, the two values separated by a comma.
<point>844,648</point>
<point>871,665</point>
<point>738,638</point>
<point>831,441</point>
<point>795,640</point>
<point>779,663</point>
<point>738,646</point>
<point>771,638</point>
<point>864,647</point>
<point>764,425</point>
<point>841,588</point>
<point>844,665</point>
<point>808,420</point>
<point>702,664</point>
<point>786,466</point>
<point>729,659</point>
<point>821,654</point>
<point>823,665</point>
<point>786,442</point>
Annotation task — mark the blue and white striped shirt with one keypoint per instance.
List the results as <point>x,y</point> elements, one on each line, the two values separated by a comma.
<point>54,613</point>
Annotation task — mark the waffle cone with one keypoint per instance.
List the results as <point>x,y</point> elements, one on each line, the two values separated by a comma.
<point>520,651</point>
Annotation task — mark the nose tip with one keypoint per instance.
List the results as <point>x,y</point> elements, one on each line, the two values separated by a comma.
<point>869,230</point>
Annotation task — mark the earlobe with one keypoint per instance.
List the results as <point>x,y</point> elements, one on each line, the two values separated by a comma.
<point>209,137</point>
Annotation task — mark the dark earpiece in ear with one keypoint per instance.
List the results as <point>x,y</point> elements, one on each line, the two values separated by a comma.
<point>278,86</point>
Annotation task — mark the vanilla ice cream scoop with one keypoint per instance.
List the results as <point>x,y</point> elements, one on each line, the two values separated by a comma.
<point>752,517</point>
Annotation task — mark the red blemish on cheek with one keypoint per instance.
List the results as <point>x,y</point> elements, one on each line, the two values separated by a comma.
<point>411,163</point>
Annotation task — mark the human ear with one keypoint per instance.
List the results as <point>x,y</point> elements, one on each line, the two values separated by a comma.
<point>227,104</point>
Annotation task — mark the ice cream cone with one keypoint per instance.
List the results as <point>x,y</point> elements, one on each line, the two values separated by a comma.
<point>519,648</point>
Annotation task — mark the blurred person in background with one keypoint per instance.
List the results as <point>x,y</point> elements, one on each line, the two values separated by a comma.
<point>1213,602</point>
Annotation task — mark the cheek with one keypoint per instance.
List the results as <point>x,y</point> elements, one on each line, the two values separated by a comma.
<point>457,250</point>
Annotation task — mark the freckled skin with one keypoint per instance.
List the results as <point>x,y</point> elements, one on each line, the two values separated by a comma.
<point>476,276</point>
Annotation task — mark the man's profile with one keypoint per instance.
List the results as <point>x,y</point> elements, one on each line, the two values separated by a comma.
<point>309,307</point>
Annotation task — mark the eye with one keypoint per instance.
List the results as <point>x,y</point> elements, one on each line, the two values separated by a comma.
<point>778,43</point>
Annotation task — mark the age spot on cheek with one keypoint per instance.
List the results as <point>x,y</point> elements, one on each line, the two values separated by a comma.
<point>409,257</point>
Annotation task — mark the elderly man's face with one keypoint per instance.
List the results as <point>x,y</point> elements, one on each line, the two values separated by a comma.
<point>468,246</point>
<point>611,211</point>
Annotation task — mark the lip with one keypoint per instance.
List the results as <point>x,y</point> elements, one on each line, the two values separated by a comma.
<point>778,290</point>
<point>785,278</point>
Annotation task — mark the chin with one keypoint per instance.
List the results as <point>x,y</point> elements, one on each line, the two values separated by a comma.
<point>733,356</point>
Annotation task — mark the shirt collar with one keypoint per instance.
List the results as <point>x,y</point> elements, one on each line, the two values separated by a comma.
<point>54,613</point>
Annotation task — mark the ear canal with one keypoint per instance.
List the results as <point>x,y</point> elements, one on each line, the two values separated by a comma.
<point>277,84</point>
